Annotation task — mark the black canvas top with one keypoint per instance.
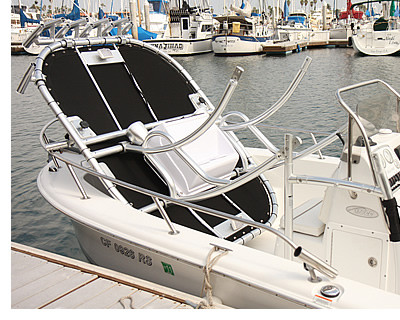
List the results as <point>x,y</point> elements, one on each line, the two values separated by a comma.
<point>163,87</point>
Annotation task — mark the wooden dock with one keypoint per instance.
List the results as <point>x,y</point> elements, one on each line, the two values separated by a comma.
<point>287,47</point>
<point>43,280</point>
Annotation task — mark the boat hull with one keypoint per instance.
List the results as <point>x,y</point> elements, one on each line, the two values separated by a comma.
<point>237,45</point>
<point>177,47</point>
<point>159,267</point>
<point>377,43</point>
<point>116,236</point>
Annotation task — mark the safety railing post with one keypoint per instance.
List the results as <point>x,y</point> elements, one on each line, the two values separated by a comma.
<point>165,215</point>
<point>288,192</point>
<point>78,183</point>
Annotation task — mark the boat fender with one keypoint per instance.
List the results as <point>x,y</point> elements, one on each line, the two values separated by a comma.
<point>391,210</point>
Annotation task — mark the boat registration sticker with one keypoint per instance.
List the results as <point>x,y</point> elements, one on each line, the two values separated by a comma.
<point>167,268</point>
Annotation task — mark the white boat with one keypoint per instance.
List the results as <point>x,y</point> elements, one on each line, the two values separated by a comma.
<point>156,18</point>
<point>49,29</point>
<point>157,184</point>
<point>347,22</point>
<point>189,31</point>
<point>381,38</point>
<point>295,28</point>
<point>22,26</point>
<point>240,33</point>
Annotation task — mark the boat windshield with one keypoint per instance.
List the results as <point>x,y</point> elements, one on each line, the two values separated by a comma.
<point>377,107</point>
<point>379,113</point>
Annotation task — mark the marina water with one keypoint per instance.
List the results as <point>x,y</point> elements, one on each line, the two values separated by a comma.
<point>313,106</point>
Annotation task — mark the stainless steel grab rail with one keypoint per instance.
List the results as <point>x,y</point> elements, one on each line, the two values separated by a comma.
<point>277,105</point>
<point>299,252</point>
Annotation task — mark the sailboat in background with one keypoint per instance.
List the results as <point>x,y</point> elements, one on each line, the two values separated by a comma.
<point>347,21</point>
<point>294,26</point>
<point>21,27</point>
<point>34,48</point>
<point>142,34</point>
<point>380,37</point>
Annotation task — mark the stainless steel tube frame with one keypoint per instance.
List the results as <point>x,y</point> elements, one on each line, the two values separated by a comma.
<point>288,191</point>
<point>343,184</point>
<point>205,126</point>
<point>278,104</point>
<point>273,162</point>
<point>259,135</point>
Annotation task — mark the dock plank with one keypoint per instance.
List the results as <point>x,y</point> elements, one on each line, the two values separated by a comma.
<point>32,273</point>
<point>109,297</point>
<point>161,303</point>
<point>43,291</point>
<point>136,300</point>
<point>21,262</point>
<point>81,295</point>
<point>46,280</point>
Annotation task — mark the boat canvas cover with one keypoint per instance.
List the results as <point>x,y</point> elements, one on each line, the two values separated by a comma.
<point>297,19</point>
<point>24,19</point>
<point>73,15</point>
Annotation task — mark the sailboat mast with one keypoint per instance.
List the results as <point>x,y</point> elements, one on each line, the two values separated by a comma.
<point>139,13</point>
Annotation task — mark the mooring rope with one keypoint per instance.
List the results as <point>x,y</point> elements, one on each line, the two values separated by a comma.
<point>208,302</point>
<point>125,298</point>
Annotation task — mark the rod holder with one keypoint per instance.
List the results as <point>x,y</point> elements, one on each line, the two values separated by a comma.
<point>25,79</point>
<point>290,144</point>
<point>311,261</point>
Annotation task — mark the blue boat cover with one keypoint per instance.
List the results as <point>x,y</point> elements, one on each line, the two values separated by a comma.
<point>142,33</point>
<point>24,19</point>
<point>145,35</point>
<point>298,19</point>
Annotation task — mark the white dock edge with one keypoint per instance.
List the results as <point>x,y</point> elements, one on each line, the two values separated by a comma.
<point>44,280</point>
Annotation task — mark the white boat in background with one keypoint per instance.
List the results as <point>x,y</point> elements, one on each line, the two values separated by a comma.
<point>158,185</point>
<point>377,43</point>
<point>240,32</point>
<point>156,17</point>
<point>295,27</point>
<point>189,30</point>
<point>347,22</point>
<point>22,25</point>
<point>49,29</point>
<point>380,37</point>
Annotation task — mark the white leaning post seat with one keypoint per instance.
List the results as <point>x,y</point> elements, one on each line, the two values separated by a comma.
<point>212,152</point>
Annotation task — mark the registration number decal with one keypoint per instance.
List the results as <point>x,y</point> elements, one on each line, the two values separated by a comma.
<point>126,252</point>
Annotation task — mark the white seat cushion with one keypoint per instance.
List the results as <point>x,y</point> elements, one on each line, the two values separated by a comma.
<point>305,218</point>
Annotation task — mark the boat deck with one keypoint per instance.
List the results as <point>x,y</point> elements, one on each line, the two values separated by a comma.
<point>43,280</point>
